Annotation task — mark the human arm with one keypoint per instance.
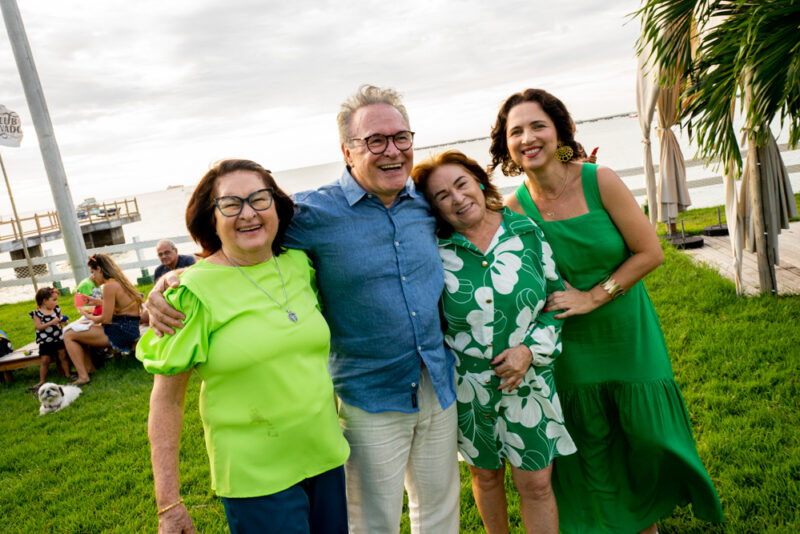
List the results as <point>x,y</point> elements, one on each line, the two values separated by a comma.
<point>164,431</point>
<point>639,237</point>
<point>37,322</point>
<point>537,339</point>
<point>164,319</point>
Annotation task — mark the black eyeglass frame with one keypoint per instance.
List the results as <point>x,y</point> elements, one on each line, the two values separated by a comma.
<point>248,200</point>
<point>386,138</point>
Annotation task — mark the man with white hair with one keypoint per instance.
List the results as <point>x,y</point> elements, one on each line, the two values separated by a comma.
<point>170,259</point>
<point>372,240</point>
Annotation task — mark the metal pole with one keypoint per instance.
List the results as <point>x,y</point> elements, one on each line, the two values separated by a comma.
<point>19,227</point>
<point>71,231</point>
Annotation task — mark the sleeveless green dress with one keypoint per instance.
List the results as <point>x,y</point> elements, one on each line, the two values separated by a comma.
<point>636,457</point>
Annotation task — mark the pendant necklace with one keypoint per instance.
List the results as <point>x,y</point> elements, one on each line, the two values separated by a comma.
<point>292,316</point>
<point>552,214</point>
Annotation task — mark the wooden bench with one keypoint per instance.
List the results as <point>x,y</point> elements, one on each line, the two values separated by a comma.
<point>19,360</point>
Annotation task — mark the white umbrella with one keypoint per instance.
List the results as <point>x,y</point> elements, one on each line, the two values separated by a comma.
<point>777,201</point>
<point>673,195</point>
<point>646,96</point>
<point>735,224</point>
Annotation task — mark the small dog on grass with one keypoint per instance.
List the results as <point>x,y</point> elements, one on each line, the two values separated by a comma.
<point>54,397</point>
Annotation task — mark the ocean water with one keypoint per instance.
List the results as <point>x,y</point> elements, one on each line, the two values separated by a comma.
<point>618,139</point>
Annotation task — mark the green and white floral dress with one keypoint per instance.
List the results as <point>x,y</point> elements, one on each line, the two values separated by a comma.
<point>493,302</point>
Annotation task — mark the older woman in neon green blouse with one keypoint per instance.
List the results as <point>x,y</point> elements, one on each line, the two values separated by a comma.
<point>255,335</point>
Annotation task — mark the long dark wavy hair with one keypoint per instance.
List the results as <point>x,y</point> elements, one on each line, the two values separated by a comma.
<point>551,105</point>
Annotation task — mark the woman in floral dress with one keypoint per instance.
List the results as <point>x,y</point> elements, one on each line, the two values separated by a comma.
<point>499,271</point>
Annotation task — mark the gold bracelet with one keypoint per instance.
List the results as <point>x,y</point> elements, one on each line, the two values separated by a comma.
<point>612,287</point>
<point>170,507</point>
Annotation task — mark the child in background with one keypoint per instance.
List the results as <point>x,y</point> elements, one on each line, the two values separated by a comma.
<point>49,334</point>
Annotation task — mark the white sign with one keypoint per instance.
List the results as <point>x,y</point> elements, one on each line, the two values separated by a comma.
<point>10,128</point>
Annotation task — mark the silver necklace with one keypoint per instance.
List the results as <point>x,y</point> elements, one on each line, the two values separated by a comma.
<point>292,316</point>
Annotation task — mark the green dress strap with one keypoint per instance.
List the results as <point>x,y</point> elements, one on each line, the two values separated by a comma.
<point>590,192</point>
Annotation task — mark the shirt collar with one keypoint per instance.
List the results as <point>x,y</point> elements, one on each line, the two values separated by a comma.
<point>353,192</point>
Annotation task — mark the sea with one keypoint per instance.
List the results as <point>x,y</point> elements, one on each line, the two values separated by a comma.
<point>620,147</point>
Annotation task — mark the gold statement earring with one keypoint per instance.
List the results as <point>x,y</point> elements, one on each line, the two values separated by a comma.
<point>563,152</point>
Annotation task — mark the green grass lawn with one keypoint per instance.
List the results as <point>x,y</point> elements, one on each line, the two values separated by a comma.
<point>696,219</point>
<point>87,468</point>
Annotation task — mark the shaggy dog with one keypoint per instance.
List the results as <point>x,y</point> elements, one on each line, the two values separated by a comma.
<point>54,397</point>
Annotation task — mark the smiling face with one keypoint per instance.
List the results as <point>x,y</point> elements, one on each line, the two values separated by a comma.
<point>385,174</point>
<point>246,238</point>
<point>457,196</point>
<point>531,136</point>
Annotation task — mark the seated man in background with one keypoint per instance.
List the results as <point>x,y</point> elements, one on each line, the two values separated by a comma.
<point>170,259</point>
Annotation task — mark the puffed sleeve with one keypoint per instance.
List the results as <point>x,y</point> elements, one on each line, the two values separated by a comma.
<point>188,347</point>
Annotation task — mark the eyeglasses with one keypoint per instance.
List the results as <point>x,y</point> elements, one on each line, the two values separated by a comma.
<point>231,206</point>
<point>378,143</point>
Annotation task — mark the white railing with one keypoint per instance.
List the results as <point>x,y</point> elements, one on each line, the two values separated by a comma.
<point>53,275</point>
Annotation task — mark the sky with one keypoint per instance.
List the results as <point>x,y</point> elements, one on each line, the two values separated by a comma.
<point>147,94</point>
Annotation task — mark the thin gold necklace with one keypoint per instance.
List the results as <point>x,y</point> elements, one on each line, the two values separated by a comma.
<point>561,192</point>
<point>292,316</point>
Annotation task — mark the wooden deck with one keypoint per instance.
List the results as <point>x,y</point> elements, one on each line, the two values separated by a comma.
<point>717,254</point>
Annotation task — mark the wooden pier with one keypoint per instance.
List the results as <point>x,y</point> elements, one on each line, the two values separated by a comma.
<point>101,226</point>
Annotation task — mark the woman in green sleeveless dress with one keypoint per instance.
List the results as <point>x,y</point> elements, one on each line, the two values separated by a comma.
<point>636,456</point>
<point>499,271</point>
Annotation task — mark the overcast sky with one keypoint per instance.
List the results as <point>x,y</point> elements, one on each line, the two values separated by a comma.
<point>146,94</point>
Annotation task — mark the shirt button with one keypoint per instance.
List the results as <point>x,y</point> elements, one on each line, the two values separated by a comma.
<point>369,196</point>
<point>397,243</point>
<point>413,314</point>
<point>404,279</point>
<point>419,347</point>
<point>488,301</point>
<point>484,263</point>
<point>413,384</point>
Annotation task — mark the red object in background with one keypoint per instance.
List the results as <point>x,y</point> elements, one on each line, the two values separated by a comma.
<point>80,300</point>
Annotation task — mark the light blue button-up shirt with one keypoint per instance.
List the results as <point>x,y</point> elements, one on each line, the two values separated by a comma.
<point>380,278</point>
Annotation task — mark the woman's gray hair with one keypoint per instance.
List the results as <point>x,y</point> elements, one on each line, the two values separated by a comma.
<point>367,95</point>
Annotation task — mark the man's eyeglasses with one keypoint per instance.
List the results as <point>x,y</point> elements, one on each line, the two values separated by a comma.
<point>378,143</point>
<point>231,206</point>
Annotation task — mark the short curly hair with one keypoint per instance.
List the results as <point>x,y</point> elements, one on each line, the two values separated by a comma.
<point>201,214</point>
<point>421,174</point>
<point>551,105</point>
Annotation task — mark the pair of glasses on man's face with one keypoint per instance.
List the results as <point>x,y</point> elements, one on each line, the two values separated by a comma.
<point>378,143</point>
<point>231,206</point>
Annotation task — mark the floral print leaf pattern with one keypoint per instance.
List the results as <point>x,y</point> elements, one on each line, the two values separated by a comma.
<point>492,302</point>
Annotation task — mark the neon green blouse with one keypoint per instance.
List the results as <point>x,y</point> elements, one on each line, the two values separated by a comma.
<point>266,401</point>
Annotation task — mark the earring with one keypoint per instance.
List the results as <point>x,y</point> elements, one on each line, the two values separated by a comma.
<point>482,187</point>
<point>563,152</point>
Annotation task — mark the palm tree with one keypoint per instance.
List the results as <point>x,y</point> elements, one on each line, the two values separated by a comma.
<point>743,48</point>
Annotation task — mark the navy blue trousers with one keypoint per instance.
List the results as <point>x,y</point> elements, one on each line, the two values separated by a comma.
<point>316,505</point>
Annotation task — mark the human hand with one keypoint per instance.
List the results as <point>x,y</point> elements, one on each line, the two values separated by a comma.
<point>571,302</point>
<point>163,317</point>
<point>175,521</point>
<point>512,365</point>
